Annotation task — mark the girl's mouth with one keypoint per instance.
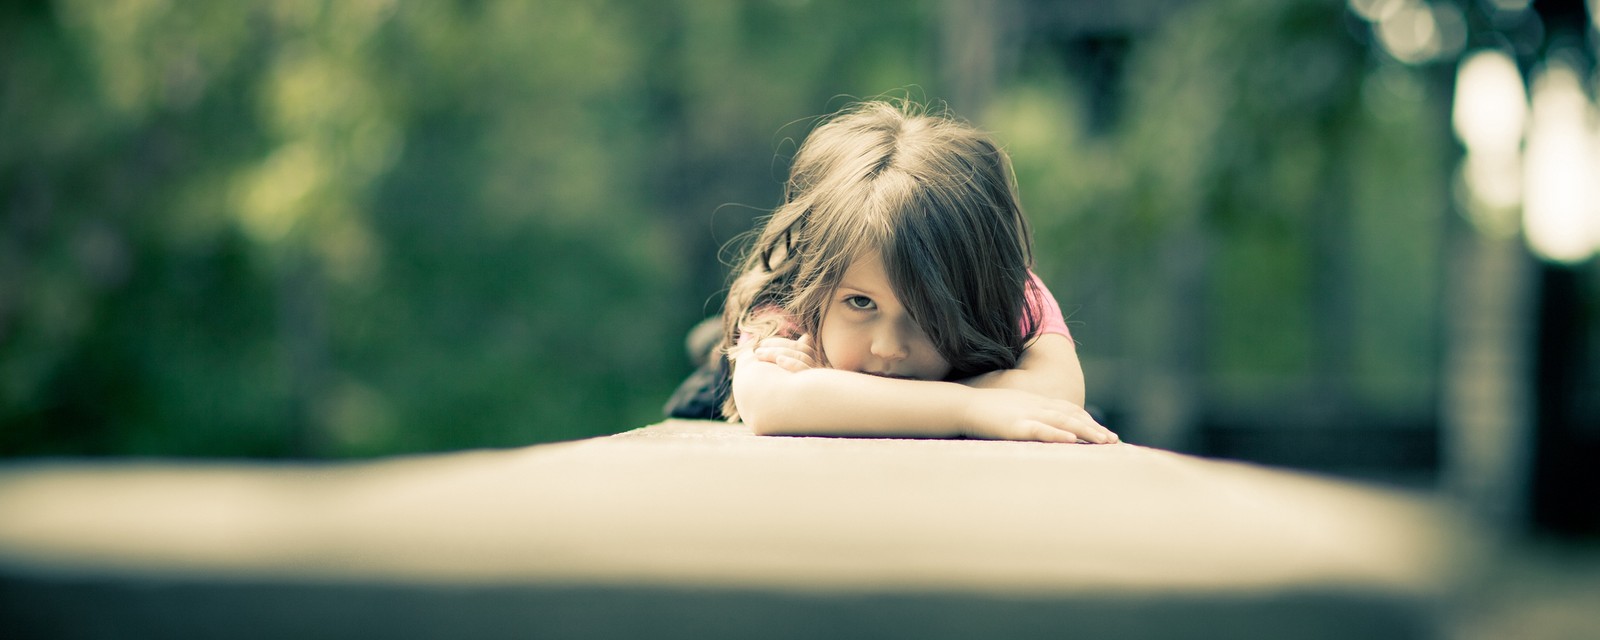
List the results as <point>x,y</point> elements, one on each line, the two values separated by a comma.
<point>888,375</point>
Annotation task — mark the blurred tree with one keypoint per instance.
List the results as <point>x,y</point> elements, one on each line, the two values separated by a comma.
<point>306,228</point>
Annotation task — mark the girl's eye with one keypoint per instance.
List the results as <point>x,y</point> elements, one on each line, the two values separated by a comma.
<point>860,303</point>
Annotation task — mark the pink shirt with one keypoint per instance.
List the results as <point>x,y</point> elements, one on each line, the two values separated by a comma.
<point>1045,308</point>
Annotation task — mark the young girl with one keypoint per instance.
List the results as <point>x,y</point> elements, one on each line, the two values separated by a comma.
<point>891,295</point>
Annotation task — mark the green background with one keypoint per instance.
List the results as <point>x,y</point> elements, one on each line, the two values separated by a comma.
<point>336,229</point>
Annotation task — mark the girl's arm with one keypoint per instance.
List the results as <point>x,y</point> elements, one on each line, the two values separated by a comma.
<point>1048,367</point>
<point>780,391</point>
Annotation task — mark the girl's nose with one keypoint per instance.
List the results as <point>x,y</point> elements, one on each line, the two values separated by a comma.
<point>889,345</point>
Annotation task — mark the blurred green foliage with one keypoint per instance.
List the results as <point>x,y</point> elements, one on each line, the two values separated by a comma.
<point>353,228</point>
<point>1265,214</point>
<point>308,228</point>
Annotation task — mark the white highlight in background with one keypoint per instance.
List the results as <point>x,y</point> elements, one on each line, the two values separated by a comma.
<point>1559,207</point>
<point>1414,31</point>
<point>1490,113</point>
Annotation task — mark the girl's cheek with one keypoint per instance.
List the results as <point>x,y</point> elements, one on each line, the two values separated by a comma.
<point>822,354</point>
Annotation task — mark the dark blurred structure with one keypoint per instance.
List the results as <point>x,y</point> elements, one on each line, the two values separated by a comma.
<point>1566,480</point>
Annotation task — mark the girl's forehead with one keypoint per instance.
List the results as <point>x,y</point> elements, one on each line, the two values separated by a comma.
<point>866,263</point>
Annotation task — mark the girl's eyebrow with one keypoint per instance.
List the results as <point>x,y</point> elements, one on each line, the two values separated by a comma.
<point>858,289</point>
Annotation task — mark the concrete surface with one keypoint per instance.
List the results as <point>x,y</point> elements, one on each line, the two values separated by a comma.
<point>701,529</point>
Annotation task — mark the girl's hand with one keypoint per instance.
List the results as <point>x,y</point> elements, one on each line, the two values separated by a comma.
<point>793,355</point>
<point>1009,414</point>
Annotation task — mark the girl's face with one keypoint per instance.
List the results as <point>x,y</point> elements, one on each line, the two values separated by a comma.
<point>864,328</point>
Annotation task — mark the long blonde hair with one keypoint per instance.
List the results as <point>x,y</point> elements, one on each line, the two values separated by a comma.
<point>934,197</point>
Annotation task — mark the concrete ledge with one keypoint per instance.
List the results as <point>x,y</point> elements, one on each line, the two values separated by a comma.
<point>695,529</point>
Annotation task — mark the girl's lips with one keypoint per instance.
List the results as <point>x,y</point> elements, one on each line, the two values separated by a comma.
<point>888,375</point>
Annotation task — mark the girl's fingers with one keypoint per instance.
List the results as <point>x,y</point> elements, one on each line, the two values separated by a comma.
<point>1081,426</point>
<point>1080,422</point>
<point>1107,436</point>
<point>1044,432</point>
<point>1093,432</point>
<point>786,358</point>
<point>794,355</point>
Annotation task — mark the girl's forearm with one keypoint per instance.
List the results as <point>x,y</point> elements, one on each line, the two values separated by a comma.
<point>1058,385</point>
<point>828,402</point>
<point>840,403</point>
<point>1049,367</point>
